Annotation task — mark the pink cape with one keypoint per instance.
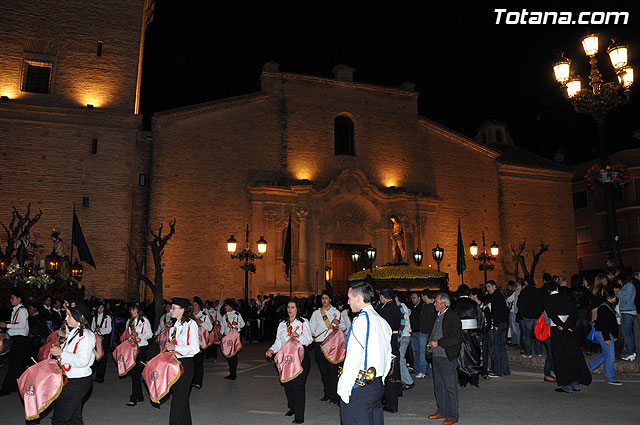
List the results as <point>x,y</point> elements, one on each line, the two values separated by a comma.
<point>40,385</point>
<point>45,350</point>
<point>216,334</point>
<point>160,373</point>
<point>124,336</point>
<point>289,360</point>
<point>333,347</point>
<point>230,344</point>
<point>125,356</point>
<point>163,338</point>
<point>205,337</point>
<point>99,349</point>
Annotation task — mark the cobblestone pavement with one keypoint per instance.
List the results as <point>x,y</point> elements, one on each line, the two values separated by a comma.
<point>256,397</point>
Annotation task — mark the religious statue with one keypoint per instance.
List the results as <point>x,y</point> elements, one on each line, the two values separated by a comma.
<point>397,239</point>
<point>58,249</point>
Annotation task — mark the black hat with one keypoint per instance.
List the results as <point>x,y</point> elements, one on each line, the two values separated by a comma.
<point>327,293</point>
<point>182,302</point>
<point>82,308</point>
<point>16,292</point>
<point>72,298</point>
<point>198,301</point>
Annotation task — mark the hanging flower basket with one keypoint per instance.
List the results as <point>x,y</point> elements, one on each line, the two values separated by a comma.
<point>618,174</point>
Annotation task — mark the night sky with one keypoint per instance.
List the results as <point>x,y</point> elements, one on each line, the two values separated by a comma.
<point>466,68</point>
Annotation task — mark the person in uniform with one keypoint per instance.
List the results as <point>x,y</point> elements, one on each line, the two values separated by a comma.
<point>165,319</point>
<point>473,323</point>
<point>102,325</point>
<point>323,322</point>
<point>76,355</point>
<point>231,320</point>
<point>202,319</point>
<point>445,344</point>
<point>140,331</point>
<point>368,360</point>
<point>18,330</point>
<point>389,311</point>
<point>184,343</point>
<point>298,328</point>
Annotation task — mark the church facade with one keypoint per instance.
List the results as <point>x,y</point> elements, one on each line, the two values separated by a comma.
<point>338,156</point>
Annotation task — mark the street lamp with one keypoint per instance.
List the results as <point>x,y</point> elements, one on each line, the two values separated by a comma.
<point>597,101</point>
<point>438,254</point>
<point>52,263</point>
<point>77,270</point>
<point>417,257</point>
<point>370,253</point>
<point>248,256</point>
<point>484,257</point>
<point>4,266</point>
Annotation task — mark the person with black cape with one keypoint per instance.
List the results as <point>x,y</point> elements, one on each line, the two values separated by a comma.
<point>473,324</point>
<point>570,367</point>
<point>390,312</point>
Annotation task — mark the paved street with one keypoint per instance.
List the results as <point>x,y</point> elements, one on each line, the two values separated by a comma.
<point>257,398</point>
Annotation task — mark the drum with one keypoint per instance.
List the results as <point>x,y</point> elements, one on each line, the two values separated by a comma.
<point>289,360</point>
<point>39,386</point>
<point>99,350</point>
<point>230,344</point>
<point>333,347</point>
<point>5,344</point>
<point>160,373</point>
<point>125,356</point>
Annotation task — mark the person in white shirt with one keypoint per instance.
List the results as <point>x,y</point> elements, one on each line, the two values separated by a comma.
<point>231,320</point>
<point>76,355</point>
<point>183,341</point>
<point>298,328</point>
<point>211,308</point>
<point>323,322</point>
<point>368,346</point>
<point>405,339</point>
<point>165,320</point>
<point>140,332</point>
<point>203,320</point>
<point>102,325</point>
<point>18,330</point>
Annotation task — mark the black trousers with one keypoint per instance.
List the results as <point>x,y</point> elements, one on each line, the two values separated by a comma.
<point>180,411</point>
<point>198,369</point>
<point>67,409</point>
<point>233,365</point>
<point>212,351</point>
<point>365,405</point>
<point>328,373</point>
<point>136,375</point>
<point>295,389</point>
<point>16,362</point>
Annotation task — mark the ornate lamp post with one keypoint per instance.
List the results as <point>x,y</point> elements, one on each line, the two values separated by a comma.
<point>438,254</point>
<point>417,257</point>
<point>370,256</point>
<point>247,256</point>
<point>597,101</point>
<point>484,257</point>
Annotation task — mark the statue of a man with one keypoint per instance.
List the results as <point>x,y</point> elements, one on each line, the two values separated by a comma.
<point>397,240</point>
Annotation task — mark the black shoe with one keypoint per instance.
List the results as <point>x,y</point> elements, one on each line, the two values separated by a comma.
<point>131,403</point>
<point>298,421</point>
<point>232,377</point>
<point>408,386</point>
<point>325,398</point>
<point>389,409</point>
<point>4,392</point>
<point>335,401</point>
<point>289,413</point>
<point>562,390</point>
<point>198,386</point>
<point>99,381</point>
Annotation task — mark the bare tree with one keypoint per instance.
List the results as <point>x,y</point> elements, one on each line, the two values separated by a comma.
<point>156,242</point>
<point>519,258</point>
<point>18,229</point>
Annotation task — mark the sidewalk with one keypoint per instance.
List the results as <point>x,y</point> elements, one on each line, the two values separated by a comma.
<point>535,362</point>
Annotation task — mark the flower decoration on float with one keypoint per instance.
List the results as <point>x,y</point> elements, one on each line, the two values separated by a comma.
<point>618,174</point>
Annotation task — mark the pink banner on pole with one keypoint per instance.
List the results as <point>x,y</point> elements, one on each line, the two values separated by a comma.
<point>40,385</point>
<point>230,344</point>
<point>160,373</point>
<point>99,349</point>
<point>125,356</point>
<point>289,360</point>
<point>162,339</point>
<point>333,347</point>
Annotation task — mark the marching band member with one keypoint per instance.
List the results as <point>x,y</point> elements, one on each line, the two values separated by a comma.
<point>297,328</point>
<point>18,330</point>
<point>185,344</point>
<point>212,309</point>
<point>323,322</point>
<point>368,360</point>
<point>165,320</point>
<point>140,331</point>
<point>202,319</point>
<point>231,320</point>
<point>102,325</point>
<point>76,356</point>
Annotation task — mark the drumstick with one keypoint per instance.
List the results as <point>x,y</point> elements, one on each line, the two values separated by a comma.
<point>34,360</point>
<point>143,363</point>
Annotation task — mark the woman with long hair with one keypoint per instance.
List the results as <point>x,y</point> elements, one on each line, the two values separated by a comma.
<point>598,293</point>
<point>184,343</point>
<point>102,325</point>
<point>298,328</point>
<point>76,356</point>
<point>231,321</point>
<point>140,332</point>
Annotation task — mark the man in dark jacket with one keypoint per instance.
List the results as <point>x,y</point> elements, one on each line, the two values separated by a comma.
<point>427,319</point>
<point>530,309</point>
<point>446,340</point>
<point>499,325</point>
<point>390,312</point>
<point>473,324</point>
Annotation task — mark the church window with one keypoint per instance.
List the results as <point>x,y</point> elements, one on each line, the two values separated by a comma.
<point>343,136</point>
<point>36,76</point>
<point>142,179</point>
<point>99,51</point>
<point>94,146</point>
<point>85,202</point>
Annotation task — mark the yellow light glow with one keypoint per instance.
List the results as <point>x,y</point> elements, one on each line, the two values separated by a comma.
<point>303,173</point>
<point>561,71</point>
<point>626,77</point>
<point>590,44</point>
<point>573,87</point>
<point>618,55</point>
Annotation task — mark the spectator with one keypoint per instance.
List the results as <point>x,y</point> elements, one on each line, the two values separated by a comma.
<point>514,290</point>
<point>405,338</point>
<point>499,326</point>
<point>627,295</point>
<point>606,332</point>
<point>580,295</point>
<point>530,309</point>
<point>478,296</point>
<point>636,321</point>
<point>427,319</point>
<point>416,332</point>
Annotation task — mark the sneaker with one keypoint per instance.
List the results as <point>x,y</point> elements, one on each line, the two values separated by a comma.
<point>493,375</point>
<point>618,383</point>
<point>549,379</point>
<point>420,376</point>
<point>539,355</point>
<point>630,357</point>
<point>526,356</point>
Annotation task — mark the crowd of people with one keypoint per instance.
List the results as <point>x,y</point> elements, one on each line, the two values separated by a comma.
<point>369,348</point>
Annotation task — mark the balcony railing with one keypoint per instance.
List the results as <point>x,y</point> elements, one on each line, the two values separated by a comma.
<point>624,243</point>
